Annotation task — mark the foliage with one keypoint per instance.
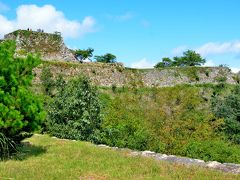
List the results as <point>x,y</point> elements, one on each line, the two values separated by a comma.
<point>229,108</point>
<point>6,146</point>
<point>189,58</point>
<point>82,54</point>
<point>192,73</point>
<point>107,58</point>
<point>122,128</point>
<point>165,120</point>
<point>74,112</point>
<point>166,62</point>
<point>21,111</point>
<point>212,149</point>
<point>47,81</point>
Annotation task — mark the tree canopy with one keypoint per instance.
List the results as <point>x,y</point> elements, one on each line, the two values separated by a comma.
<point>189,58</point>
<point>82,54</point>
<point>107,58</point>
<point>166,62</point>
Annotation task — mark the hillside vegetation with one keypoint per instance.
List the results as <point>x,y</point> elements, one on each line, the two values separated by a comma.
<point>48,158</point>
<point>175,120</point>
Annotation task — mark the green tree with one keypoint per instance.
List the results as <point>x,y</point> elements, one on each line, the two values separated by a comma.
<point>166,62</point>
<point>21,112</point>
<point>189,58</point>
<point>107,58</point>
<point>82,54</point>
<point>74,112</point>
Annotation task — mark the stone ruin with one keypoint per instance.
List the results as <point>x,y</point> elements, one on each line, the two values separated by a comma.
<point>49,45</point>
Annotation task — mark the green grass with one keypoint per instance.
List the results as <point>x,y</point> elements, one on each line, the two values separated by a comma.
<point>49,158</point>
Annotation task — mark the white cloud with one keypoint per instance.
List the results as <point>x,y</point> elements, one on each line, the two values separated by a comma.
<point>235,70</point>
<point>47,18</point>
<point>209,63</point>
<point>179,50</point>
<point>219,48</point>
<point>142,64</point>
<point>3,7</point>
<point>6,26</point>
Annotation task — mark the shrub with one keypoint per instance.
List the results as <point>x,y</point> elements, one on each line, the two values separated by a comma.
<point>21,112</point>
<point>212,149</point>
<point>221,79</point>
<point>74,112</point>
<point>229,108</point>
<point>47,81</point>
<point>114,88</point>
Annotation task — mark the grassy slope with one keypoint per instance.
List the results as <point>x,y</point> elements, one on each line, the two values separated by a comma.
<point>50,158</point>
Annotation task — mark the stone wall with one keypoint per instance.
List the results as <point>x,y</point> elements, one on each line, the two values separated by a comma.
<point>115,74</point>
<point>50,46</point>
<point>225,167</point>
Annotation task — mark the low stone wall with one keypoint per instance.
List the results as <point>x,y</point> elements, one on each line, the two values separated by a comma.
<point>102,74</point>
<point>225,167</point>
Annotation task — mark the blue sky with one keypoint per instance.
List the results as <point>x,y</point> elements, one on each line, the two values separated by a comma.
<point>139,33</point>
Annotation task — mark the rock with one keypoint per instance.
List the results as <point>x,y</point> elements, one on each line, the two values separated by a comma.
<point>161,156</point>
<point>213,164</point>
<point>50,46</point>
<point>148,153</point>
<point>135,153</point>
<point>103,146</point>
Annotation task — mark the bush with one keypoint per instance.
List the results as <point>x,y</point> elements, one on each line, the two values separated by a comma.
<point>121,127</point>
<point>47,81</point>
<point>74,112</point>
<point>228,108</point>
<point>21,112</point>
<point>212,150</point>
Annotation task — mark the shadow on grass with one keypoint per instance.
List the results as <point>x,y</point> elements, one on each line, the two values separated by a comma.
<point>27,150</point>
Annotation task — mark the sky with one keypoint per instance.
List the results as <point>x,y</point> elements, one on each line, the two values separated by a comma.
<point>139,32</point>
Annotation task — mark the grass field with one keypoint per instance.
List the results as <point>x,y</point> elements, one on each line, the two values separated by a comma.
<point>50,158</point>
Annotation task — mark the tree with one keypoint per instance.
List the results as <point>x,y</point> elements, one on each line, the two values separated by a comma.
<point>166,62</point>
<point>74,112</point>
<point>82,54</point>
<point>21,112</point>
<point>107,58</point>
<point>189,58</point>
